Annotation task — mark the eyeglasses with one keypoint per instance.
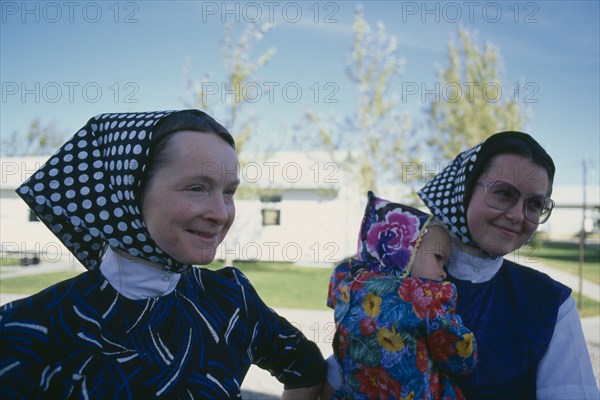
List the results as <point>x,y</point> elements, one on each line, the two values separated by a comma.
<point>502,196</point>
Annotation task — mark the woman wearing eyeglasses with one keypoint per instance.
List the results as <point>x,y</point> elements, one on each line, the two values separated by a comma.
<point>493,197</point>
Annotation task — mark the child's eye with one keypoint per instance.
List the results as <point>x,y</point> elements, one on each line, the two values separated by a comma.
<point>439,258</point>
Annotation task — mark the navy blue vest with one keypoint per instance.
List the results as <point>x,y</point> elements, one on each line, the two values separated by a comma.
<point>513,318</point>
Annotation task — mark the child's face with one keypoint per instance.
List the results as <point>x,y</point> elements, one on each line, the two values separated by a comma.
<point>432,254</point>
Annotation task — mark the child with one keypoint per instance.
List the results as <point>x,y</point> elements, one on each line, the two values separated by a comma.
<point>397,335</point>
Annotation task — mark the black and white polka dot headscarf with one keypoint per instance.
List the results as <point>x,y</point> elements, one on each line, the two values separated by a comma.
<point>86,192</point>
<point>444,194</point>
<point>448,193</point>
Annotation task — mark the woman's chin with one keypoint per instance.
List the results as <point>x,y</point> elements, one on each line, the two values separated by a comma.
<point>198,258</point>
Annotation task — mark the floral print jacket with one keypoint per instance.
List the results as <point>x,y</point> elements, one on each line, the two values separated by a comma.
<point>397,337</point>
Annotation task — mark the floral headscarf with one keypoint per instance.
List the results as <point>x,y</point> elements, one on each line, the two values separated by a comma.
<point>447,195</point>
<point>390,235</point>
<point>86,193</point>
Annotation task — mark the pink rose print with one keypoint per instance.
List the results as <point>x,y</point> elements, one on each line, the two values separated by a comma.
<point>392,241</point>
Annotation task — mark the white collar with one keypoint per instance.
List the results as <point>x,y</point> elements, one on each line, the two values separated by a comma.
<point>134,280</point>
<point>464,265</point>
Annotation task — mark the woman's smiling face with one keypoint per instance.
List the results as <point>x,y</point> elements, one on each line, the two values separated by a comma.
<point>499,232</point>
<point>188,204</point>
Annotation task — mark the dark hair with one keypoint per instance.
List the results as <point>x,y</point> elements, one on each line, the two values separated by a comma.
<point>185,120</point>
<point>510,142</point>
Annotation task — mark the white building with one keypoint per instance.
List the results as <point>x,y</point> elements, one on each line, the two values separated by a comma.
<point>21,232</point>
<point>568,218</point>
<point>304,209</point>
<point>294,206</point>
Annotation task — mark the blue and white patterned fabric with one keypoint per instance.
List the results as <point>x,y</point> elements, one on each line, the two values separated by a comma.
<point>85,339</point>
<point>86,193</point>
<point>81,339</point>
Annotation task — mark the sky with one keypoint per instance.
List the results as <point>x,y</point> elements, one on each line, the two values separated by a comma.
<point>64,62</point>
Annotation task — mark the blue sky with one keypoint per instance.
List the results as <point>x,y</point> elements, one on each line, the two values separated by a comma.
<point>64,62</point>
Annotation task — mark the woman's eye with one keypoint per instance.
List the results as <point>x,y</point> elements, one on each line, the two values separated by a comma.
<point>535,204</point>
<point>507,194</point>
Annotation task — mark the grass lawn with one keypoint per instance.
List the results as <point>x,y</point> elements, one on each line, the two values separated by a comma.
<point>279,284</point>
<point>589,307</point>
<point>33,283</point>
<point>292,286</point>
<point>565,256</point>
<point>287,285</point>
<point>9,261</point>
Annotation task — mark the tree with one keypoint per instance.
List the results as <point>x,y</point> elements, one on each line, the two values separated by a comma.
<point>475,104</point>
<point>39,140</point>
<point>240,68</point>
<point>378,134</point>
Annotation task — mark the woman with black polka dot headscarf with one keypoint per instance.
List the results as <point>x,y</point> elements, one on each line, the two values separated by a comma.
<point>139,198</point>
<point>493,198</point>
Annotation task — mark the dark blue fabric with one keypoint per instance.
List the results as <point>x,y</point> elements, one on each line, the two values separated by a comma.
<point>513,318</point>
<point>81,339</point>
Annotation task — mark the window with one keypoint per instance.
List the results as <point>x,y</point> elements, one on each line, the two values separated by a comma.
<point>270,216</point>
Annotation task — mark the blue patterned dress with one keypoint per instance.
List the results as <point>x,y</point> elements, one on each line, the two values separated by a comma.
<point>81,339</point>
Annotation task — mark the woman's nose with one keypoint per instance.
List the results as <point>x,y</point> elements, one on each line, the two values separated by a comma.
<point>216,210</point>
<point>517,211</point>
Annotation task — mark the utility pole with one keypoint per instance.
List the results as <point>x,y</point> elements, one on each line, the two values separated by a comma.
<point>582,239</point>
